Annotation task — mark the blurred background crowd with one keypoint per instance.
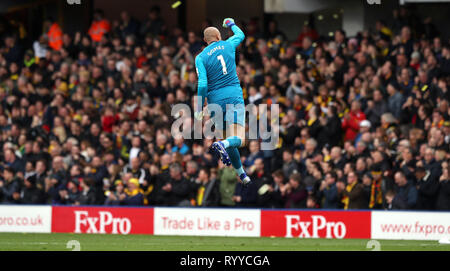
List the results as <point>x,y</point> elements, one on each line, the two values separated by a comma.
<point>85,119</point>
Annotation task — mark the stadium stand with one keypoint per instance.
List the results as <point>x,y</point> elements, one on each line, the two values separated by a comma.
<point>364,121</point>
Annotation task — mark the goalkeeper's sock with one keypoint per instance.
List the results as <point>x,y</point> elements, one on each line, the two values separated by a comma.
<point>232,141</point>
<point>235,158</point>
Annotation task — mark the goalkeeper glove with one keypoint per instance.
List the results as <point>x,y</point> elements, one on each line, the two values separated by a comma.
<point>228,22</point>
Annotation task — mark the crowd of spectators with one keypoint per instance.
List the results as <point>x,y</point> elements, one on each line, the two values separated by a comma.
<point>364,120</point>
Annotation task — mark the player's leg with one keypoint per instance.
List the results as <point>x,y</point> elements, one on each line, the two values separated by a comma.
<point>237,132</point>
<point>227,149</point>
<point>218,148</point>
<point>235,136</point>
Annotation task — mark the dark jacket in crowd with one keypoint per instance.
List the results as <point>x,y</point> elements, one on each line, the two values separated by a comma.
<point>289,168</point>
<point>443,198</point>
<point>374,114</point>
<point>428,188</point>
<point>8,189</point>
<point>266,198</point>
<point>134,200</point>
<point>88,197</point>
<point>290,134</point>
<point>296,198</point>
<point>333,128</point>
<point>408,194</point>
<point>211,194</point>
<point>31,194</point>
<point>179,193</point>
<point>330,197</point>
<point>99,174</point>
<point>395,103</point>
<point>397,203</point>
<point>158,196</point>
<point>248,194</point>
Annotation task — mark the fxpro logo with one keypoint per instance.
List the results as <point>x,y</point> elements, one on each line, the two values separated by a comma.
<point>72,2</point>
<point>317,227</point>
<point>103,223</point>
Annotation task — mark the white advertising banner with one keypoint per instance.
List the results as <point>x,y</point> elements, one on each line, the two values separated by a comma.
<point>207,222</point>
<point>410,225</point>
<point>25,218</point>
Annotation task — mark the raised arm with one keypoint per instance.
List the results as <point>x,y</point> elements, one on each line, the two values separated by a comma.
<point>202,83</point>
<point>238,36</point>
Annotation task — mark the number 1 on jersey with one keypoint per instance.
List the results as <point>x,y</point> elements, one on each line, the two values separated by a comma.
<point>222,61</point>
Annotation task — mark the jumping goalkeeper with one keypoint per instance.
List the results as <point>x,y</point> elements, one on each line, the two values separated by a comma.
<point>219,83</point>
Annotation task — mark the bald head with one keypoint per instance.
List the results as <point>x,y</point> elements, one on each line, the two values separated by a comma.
<point>211,34</point>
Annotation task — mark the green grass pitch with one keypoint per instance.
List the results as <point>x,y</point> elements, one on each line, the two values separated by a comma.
<point>97,242</point>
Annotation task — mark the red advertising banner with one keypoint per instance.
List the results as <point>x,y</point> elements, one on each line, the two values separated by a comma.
<point>316,224</point>
<point>102,220</point>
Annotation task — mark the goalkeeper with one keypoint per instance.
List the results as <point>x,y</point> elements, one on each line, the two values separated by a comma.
<point>218,82</point>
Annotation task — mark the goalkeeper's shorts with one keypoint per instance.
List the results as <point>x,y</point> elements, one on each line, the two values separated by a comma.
<point>233,111</point>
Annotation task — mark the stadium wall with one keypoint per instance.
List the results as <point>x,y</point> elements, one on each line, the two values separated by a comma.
<point>338,224</point>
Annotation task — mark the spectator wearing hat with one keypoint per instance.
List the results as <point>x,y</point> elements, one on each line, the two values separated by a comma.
<point>133,196</point>
<point>364,127</point>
